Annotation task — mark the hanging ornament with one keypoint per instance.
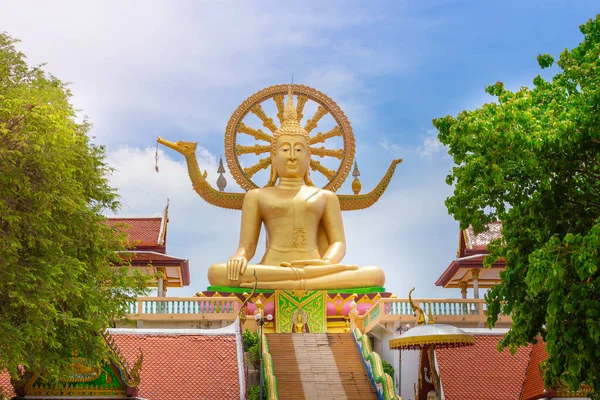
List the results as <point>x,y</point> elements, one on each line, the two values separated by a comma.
<point>156,158</point>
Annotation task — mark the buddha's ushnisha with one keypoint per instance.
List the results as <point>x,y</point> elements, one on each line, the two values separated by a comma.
<point>305,233</point>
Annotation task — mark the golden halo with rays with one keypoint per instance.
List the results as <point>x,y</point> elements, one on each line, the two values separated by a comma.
<point>318,142</point>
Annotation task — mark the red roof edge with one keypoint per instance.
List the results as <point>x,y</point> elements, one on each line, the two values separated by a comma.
<point>455,265</point>
<point>185,273</point>
<point>448,273</point>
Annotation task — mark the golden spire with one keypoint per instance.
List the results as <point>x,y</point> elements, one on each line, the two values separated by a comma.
<point>289,114</point>
<point>290,124</point>
<point>356,185</point>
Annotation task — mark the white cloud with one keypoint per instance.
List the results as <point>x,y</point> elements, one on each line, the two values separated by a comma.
<point>430,145</point>
<point>394,149</point>
<point>188,64</point>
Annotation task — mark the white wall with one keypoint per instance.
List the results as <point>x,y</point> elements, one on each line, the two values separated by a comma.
<point>406,371</point>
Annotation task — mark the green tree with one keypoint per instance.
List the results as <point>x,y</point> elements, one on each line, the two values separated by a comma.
<point>58,290</point>
<point>531,159</point>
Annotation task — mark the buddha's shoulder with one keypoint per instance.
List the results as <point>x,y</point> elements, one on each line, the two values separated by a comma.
<point>325,194</point>
<point>261,193</point>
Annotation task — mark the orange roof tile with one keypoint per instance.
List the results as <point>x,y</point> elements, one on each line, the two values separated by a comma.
<point>481,371</point>
<point>480,241</point>
<point>184,366</point>
<point>6,387</point>
<point>142,231</point>
<point>534,383</point>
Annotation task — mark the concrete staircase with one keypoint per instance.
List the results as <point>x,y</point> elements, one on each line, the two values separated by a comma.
<point>319,366</point>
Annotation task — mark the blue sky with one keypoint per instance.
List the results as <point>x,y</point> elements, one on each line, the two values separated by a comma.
<point>179,69</point>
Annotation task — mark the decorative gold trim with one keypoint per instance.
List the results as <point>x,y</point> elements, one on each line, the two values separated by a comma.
<point>413,342</point>
<point>350,202</point>
<point>71,391</point>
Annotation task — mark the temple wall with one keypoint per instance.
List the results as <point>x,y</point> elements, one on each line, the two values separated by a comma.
<point>405,371</point>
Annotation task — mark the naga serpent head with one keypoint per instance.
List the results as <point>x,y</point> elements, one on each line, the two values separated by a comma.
<point>185,148</point>
<point>421,316</point>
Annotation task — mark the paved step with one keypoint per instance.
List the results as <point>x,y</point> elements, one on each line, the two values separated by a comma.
<point>319,366</point>
<point>351,369</point>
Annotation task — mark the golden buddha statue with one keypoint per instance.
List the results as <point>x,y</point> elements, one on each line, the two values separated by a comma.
<point>299,317</point>
<point>305,241</point>
<point>292,212</point>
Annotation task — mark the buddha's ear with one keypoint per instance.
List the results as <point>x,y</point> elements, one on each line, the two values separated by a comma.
<point>307,179</point>
<point>273,174</point>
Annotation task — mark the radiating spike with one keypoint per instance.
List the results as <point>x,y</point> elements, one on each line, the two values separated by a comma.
<point>278,99</point>
<point>262,164</point>
<point>323,152</point>
<point>322,137</point>
<point>256,133</point>
<point>267,122</point>
<point>300,106</point>
<point>256,149</point>
<point>316,166</point>
<point>312,123</point>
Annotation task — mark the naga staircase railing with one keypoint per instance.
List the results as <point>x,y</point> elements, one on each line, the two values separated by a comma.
<point>383,382</point>
<point>270,381</point>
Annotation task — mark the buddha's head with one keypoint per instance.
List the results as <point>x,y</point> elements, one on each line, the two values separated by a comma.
<point>290,151</point>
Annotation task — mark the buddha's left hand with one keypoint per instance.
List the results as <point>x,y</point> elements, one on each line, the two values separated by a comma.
<point>304,263</point>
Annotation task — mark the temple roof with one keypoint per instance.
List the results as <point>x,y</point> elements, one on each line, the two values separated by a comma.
<point>481,371</point>
<point>148,236</point>
<point>479,242</point>
<point>484,373</point>
<point>472,249</point>
<point>533,388</point>
<point>143,231</point>
<point>186,363</point>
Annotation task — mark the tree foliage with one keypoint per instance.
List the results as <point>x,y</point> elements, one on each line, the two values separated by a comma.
<point>57,288</point>
<point>531,160</point>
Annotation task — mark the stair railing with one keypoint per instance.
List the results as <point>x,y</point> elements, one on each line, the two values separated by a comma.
<point>382,381</point>
<point>268,374</point>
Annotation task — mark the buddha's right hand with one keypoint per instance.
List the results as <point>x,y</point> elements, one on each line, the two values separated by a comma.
<point>236,266</point>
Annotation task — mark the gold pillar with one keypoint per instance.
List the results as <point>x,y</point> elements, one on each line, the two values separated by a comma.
<point>475,273</point>
<point>463,289</point>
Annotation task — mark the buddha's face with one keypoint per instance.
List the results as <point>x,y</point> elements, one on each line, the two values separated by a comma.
<point>291,156</point>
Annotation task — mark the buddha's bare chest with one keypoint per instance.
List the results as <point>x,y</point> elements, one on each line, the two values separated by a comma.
<point>282,206</point>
